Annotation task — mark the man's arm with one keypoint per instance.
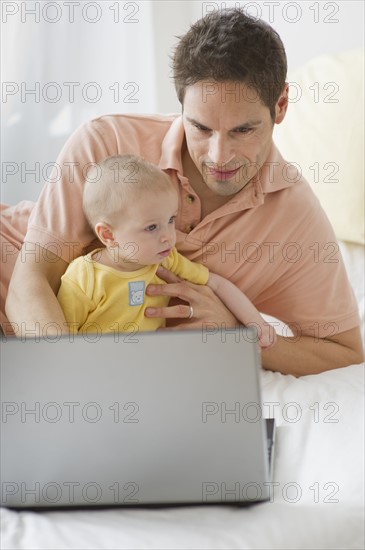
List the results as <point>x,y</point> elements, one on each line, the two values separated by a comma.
<point>31,305</point>
<point>289,355</point>
<point>309,355</point>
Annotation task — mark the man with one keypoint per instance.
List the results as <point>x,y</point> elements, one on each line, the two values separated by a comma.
<point>244,212</point>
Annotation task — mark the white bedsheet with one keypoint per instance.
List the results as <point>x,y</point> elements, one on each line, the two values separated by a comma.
<point>318,502</point>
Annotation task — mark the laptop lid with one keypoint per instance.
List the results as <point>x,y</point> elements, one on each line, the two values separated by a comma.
<point>132,419</point>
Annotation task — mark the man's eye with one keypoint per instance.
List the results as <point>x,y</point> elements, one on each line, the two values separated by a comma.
<point>201,128</point>
<point>243,130</point>
<point>151,227</point>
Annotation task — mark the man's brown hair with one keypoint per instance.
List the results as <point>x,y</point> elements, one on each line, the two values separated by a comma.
<point>230,46</point>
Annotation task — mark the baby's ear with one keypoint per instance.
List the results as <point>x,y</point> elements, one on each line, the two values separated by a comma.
<point>105,234</point>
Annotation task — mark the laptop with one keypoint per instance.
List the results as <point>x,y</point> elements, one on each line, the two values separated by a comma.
<point>139,419</point>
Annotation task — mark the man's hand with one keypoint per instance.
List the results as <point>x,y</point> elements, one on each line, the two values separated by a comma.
<point>207,307</point>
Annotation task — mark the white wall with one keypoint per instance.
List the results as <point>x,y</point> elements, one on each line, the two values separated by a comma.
<point>125,45</point>
<point>46,47</point>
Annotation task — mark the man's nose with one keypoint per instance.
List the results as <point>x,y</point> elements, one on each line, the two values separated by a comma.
<point>220,150</point>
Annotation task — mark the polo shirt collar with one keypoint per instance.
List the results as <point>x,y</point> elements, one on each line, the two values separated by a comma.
<point>171,147</point>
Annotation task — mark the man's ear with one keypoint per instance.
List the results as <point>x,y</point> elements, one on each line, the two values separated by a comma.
<point>105,234</point>
<point>282,105</point>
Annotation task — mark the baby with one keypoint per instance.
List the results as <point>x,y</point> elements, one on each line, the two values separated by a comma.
<point>132,205</point>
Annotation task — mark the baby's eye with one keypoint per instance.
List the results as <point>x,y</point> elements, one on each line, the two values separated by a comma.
<point>151,227</point>
<point>172,219</point>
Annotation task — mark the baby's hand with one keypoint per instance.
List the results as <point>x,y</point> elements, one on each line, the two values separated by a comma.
<point>266,335</point>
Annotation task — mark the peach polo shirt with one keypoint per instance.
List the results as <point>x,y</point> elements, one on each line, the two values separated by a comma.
<point>272,239</point>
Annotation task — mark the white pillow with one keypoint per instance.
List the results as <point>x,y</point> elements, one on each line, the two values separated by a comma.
<point>323,133</point>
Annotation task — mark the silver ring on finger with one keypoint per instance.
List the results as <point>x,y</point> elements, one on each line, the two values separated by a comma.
<point>191,311</point>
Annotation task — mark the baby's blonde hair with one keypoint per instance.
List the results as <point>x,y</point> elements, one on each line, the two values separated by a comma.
<point>111,184</point>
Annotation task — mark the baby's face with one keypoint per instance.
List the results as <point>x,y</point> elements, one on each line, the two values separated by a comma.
<point>146,231</point>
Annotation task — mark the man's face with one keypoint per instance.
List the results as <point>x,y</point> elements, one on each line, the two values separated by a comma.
<point>228,133</point>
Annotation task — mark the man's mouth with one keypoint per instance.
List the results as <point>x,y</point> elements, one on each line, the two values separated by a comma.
<point>222,175</point>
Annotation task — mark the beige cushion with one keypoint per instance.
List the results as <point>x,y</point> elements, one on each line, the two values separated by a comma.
<point>323,133</point>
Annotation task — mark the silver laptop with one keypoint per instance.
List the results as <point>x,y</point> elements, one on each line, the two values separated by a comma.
<point>158,418</point>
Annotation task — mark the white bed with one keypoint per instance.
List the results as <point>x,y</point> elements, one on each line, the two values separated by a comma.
<point>318,501</point>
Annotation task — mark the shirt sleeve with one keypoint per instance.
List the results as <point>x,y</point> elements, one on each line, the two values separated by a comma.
<point>312,294</point>
<point>57,222</point>
<point>186,269</point>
